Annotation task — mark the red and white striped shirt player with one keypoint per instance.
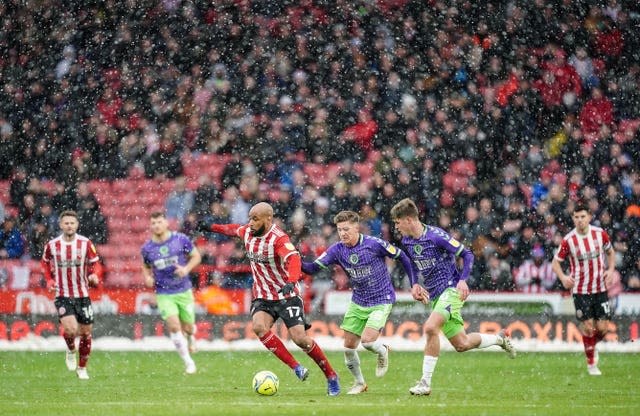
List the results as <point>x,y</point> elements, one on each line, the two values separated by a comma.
<point>71,264</point>
<point>268,255</point>
<point>535,275</point>
<point>586,257</point>
<point>276,268</point>
<point>589,277</point>
<point>68,264</point>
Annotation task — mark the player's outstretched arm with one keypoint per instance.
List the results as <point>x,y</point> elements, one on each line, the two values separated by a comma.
<point>230,230</point>
<point>310,267</point>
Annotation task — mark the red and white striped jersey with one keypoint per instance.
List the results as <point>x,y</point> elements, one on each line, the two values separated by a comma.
<point>534,278</point>
<point>268,254</point>
<point>69,262</point>
<point>586,256</point>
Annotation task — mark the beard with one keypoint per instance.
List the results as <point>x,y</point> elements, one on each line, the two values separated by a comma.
<point>260,231</point>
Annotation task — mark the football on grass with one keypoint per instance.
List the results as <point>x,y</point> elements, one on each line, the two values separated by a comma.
<point>265,383</point>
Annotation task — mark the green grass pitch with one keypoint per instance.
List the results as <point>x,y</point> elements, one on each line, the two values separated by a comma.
<point>473,383</point>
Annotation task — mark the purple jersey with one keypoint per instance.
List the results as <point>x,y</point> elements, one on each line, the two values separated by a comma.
<point>366,268</point>
<point>434,258</point>
<point>162,258</point>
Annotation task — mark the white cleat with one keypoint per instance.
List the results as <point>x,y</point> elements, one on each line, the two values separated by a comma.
<point>358,388</point>
<point>593,370</point>
<point>82,373</point>
<point>70,360</point>
<point>190,367</point>
<point>506,343</point>
<point>383,362</point>
<point>420,389</point>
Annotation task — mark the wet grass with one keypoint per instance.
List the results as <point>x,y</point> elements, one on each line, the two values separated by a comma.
<point>153,383</point>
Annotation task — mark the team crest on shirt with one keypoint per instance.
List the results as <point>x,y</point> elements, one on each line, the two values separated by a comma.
<point>417,249</point>
<point>289,246</point>
<point>164,250</point>
<point>353,259</point>
<point>61,310</point>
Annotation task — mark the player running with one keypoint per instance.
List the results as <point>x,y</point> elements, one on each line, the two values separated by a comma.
<point>588,280</point>
<point>363,259</point>
<point>434,254</point>
<point>275,265</point>
<point>168,258</point>
<point>71,264</point>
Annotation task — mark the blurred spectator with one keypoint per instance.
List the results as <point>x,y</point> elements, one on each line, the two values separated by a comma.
<point>217,214</point>
<point>631,274</point>
<point>179,201</point>
<point>535,274</point>
<point>93,223</point>
<point>189,225</point>
<point>38,237</point>
<point>11,240</point>
<point>596,112</point>
<point>497,274</point>
<point>205,195</point>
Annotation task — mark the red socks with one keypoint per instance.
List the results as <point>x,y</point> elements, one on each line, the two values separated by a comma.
<point>84,350</point>
<point>275,345</point>
<point>589,347</point>
<point>70,340</point>
<point>318,356</point>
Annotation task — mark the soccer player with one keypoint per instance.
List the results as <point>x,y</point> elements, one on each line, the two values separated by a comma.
<point>275,265</point>
<point>168,258</point>
<point>588,280</point>
<point>71,264</point>
<point>434,253</point>
<point>363,259</point>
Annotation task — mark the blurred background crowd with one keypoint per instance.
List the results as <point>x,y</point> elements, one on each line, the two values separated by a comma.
<point>496,117</point>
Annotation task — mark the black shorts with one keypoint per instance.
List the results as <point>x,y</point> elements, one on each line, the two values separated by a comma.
<point>290,310</point>
<point>79,307</point>
<point>594,306</point>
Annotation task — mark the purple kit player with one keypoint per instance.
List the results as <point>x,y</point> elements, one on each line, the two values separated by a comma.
<point>168,258</point>
<point>434,254</point>
<point>363,258</point>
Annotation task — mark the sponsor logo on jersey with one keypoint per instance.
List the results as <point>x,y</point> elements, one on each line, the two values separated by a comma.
<point>454,242</point>
<point>289,246</point>
<point>391,249</point>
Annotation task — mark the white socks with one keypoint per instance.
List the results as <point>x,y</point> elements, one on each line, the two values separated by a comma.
<point>181,345</point>
<point>428,365</point>
<point>375,347</point>
<point>487,340</point>
<point>352,361</point>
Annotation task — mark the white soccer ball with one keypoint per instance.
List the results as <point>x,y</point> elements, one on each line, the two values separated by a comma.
<point>266,383</point>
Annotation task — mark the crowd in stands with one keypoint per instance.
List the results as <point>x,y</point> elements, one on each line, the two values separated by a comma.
<point>495,116</point>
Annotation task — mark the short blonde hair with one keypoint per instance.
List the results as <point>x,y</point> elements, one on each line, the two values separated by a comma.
<point>403,209</point>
